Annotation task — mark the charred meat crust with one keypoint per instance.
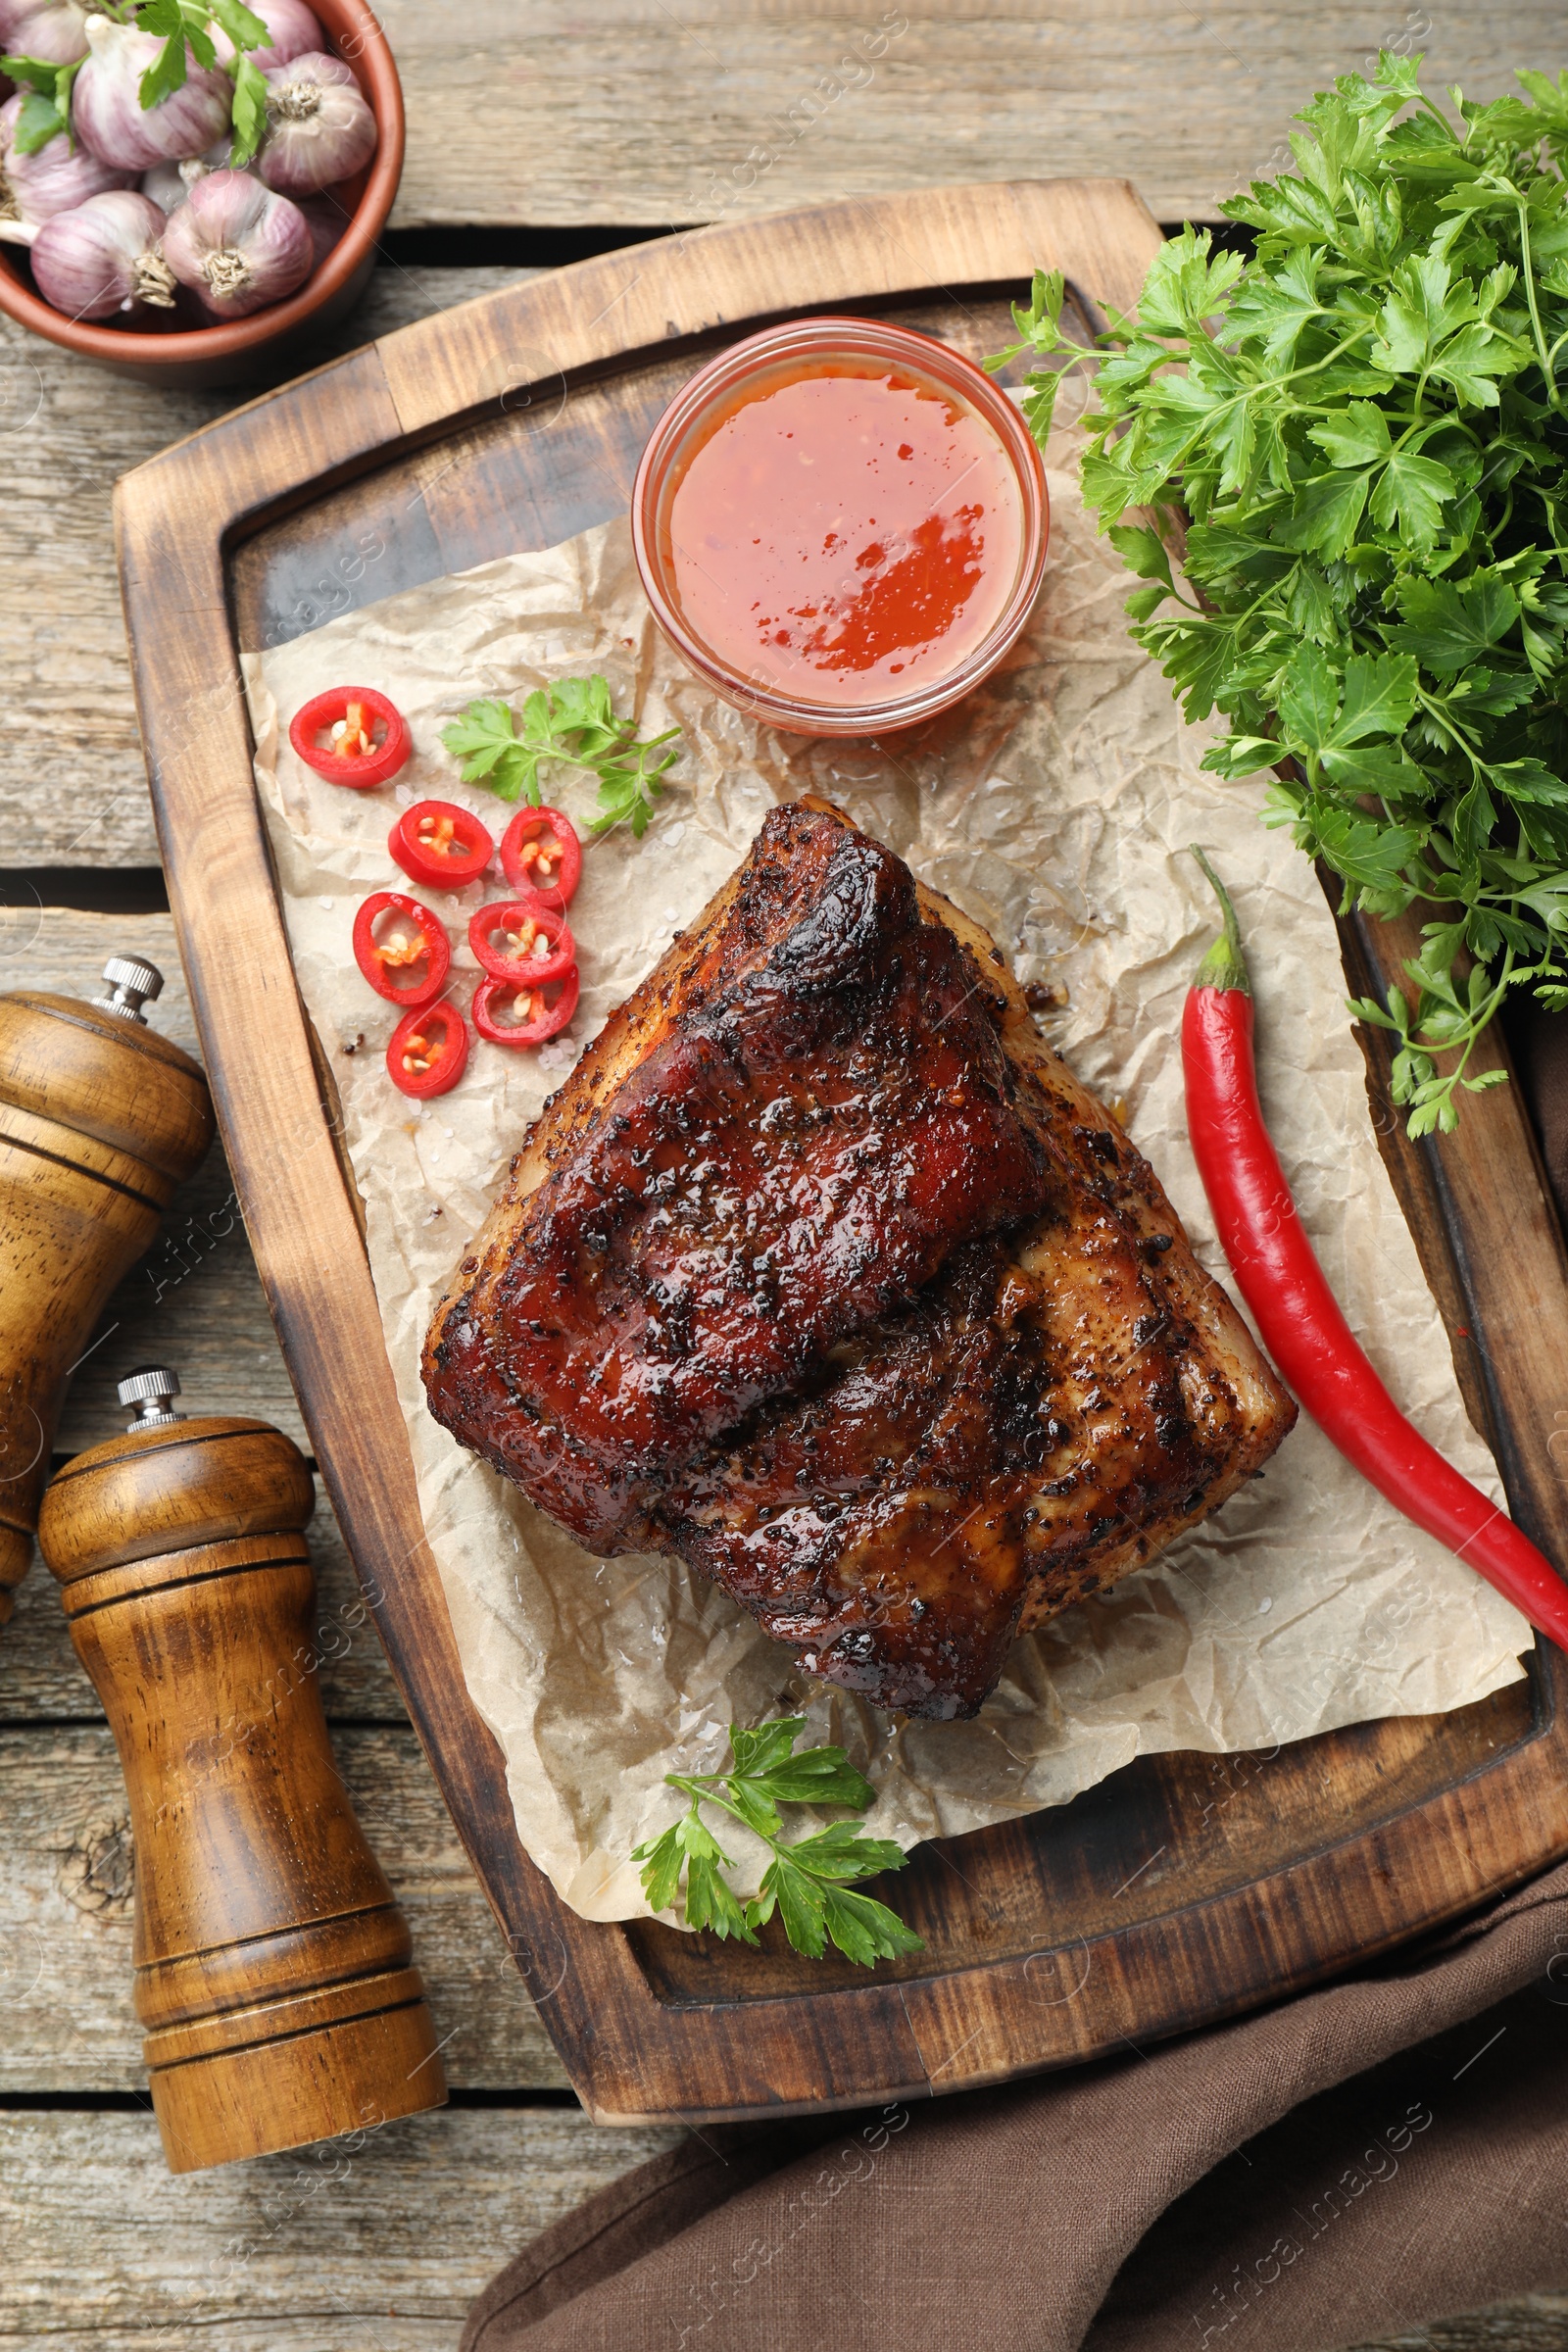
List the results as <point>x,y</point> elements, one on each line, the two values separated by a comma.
<point>824,1273</point>
<point>1047,1414</point>
<point>792,1157</point>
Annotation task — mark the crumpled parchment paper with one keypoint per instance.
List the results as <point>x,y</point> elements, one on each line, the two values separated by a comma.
<point>1055,806</point>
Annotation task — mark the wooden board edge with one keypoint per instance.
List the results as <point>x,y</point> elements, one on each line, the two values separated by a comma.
<point>965,2025</point>
<point>680,286</point>
<point>282,1149</point>
<point>172,516</point>
<point>442,370</point>
<point>203,790</point>
<point>1492,1244</point>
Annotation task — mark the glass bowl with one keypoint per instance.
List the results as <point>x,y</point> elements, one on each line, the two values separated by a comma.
<point>830,346</point>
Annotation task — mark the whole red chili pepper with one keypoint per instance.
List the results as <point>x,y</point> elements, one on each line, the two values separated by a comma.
<point>1296,1313</point>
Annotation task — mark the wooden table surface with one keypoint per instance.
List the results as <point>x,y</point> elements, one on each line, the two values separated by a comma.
<point>538,130</point>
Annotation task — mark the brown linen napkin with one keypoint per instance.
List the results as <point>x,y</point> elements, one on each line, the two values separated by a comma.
<point>1158,2201</point>
<point>1387,2149</point>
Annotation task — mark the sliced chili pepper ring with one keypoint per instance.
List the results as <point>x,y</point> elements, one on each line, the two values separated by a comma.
<point>351,735</point>
<point>543,1018</point>
<point>440,845</point>
<point>416,937</point>
<point>428,1050</point>
<point>540,852</point>
<point>536,942</point>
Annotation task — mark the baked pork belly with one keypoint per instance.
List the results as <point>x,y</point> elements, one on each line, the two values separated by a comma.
<point>823,1272</point>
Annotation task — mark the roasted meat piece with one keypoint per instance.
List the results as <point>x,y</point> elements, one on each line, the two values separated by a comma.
<point>823,1272</point>
<point>820,1111</point>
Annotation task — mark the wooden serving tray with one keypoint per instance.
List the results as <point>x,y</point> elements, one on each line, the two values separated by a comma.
<point>1184,1889</point>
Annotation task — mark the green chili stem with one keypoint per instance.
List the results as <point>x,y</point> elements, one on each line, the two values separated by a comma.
<point>1225,965</point>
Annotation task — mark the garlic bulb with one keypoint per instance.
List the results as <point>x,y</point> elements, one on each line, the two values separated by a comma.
<point>35,187</point>
<point>107,113</point>
<point>55,31</point>
<point>326,219</point>
<point>319,128</point>
<point>169,184</point>
<point>214,158</point>
<point>237,244</point>
<point>294,31</point>
<point>163,186</point>
<point>166,186</point>
<point>104,258</point>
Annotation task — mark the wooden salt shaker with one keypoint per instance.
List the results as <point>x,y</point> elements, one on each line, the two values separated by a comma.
<point>100,1119</point>
<point>274,1975</point>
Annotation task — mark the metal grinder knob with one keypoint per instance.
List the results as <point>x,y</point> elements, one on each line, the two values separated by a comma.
<point>133,983</point>
<point>150,1391</point>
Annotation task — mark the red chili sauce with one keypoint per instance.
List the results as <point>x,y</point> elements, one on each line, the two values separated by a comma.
<point>845,536</point>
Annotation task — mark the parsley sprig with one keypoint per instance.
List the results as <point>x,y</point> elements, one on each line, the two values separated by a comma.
<point>1357,440</point>
<point>45,110</point>
<point>182,25</point>
<point>574,724</point>
<point>807,1881</point>
<point>188,23</point>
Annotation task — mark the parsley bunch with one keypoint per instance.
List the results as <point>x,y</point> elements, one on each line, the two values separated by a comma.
<point>573,722</point>
<point>807,1881</point>
<point>1361,432</point>
<point>181,25</point>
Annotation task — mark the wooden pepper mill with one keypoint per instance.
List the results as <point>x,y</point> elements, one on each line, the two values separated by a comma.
<point>274,1975</point>
<point>100,1119</point>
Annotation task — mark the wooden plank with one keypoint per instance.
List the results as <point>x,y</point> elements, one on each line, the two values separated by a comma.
<point>384,2244</point>
<point>66,1895</point>
<point>1534,2324</point>
<point>73,786</point>
<point>1149,1906</point>
<point>637,112</point>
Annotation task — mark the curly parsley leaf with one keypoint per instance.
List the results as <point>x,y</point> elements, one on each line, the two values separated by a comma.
<point>244,27</point>
<point>689,1846</point>
<point>628,786</point>
<point>572,722</point>
<point>807,1881</point>
<point>45,110</point>
<point>1356,438</point>
<point>186,27</point>
<point>167,72</point>
<point>250,111</point>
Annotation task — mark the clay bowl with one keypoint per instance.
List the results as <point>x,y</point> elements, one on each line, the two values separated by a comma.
<point>258,349</point>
